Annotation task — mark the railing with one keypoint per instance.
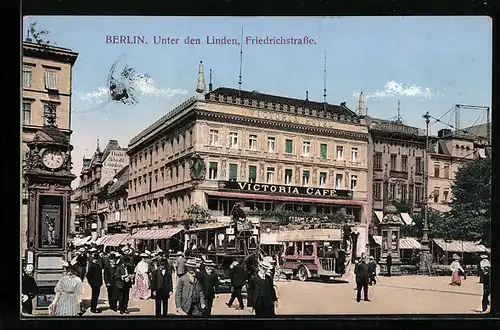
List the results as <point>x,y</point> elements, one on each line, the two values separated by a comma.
<point>328,264</point>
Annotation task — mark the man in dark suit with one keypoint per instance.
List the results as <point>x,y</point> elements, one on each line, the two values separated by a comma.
<point>121,279</point>
<point>238,280</point>
<point>486,287</point>
<point>94,278</point>
<point>109,279</point>
<point>263,298</point>
<point>162,286</point>
<point>189,298</point>
<point>362,278</point>
<point>29,290</point>
<point>372,270</point>
<point>209,282</point>
<point>130,268</point>
<point>388,262</point>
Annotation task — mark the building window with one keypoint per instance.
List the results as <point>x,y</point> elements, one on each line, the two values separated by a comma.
<point>445,196</point>
<point>288,176</point>
<point>27,76</point>
<point>340,152</point>
<point>377,190</point>
<point>46,111</point>
<point>323,149</point>
<point>212,170</point>
<point>392,191</point>
<point>322,179</point>
<point>393,162</point>
<point>305,177</point>
<point>306,148</point>
<point>26,113</point>
<point>214,137</point>
<point>338,181</point>
<point>404,163</point>
<point>270,175</point>
<point>418,165</point>
<point>436,195</point>
<point>233,140</point>
<point>150,156</point>
<point>377,161</point>
<point>418,193</point>
<point>271,144</point>
<point>252,142</point>
<point>436,170</point>
<point>354,181</point>
<point>51,80</point>
<point>252,173</point>
<point>404,191</point>
<point>288,146</point>
<point>233,172</point>
<point>354,154</point>
<point>446,171</point>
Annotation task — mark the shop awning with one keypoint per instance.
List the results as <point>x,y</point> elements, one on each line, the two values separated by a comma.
<point>406,219</point>
<point>163,233</point>
<point>409,243</point>
<point>284,198</point>
<point>81,241</point>
<point>209,226</point>
<point>112,240</point>
<point>460,246</point>
<point>379,215</point>
<point>377,240</point>
<point>309,235</point>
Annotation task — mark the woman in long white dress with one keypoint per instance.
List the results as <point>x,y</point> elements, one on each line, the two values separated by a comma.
<point>456,271</point>
<point>68,292</point>
<point>140,289</point>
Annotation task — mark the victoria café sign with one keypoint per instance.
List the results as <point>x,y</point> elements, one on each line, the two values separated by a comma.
<point>263,188</point>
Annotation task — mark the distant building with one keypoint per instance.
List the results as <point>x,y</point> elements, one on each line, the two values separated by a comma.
<point>46,81</point>
<point>102,166</point>
<point>113,203</point>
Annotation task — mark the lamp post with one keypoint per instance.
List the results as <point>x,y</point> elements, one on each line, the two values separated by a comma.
<point>425,257</point>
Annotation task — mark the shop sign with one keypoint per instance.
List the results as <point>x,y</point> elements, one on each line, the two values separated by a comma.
<point>285,190</point>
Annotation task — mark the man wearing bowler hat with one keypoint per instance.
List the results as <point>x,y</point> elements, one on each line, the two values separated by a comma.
<point>189,298</point>
<point>263,299</point>
<point>162,286</point>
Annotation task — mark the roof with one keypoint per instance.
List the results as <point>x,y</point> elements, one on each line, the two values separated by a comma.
<point>50,52</point>
<point>121,181</point>
<point>309,235</point>
<point>475,131</point>
<point>112,240</point>
<point>340,109</point>
<point>459,246</point>
<point>208,226</point>
<point>409,243</point>
<point>112,145</point>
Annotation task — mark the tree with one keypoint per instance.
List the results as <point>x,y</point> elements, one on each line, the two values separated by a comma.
<point>437,222</point>
<point>470,217</point>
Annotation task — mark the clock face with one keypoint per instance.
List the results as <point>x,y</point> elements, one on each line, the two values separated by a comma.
<point>53,159</point>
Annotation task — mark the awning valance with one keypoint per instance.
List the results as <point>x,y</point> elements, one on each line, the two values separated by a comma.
<point>409,243</point>
<point>309,235</point>
<point>269,238</point>
<point>406,219</point>
<point>284,198</point>
<point>377,240</point>
<point>81,241</point>
<point>112,240</point>
<point>209,226</point>
<point>460,246</point>
<point>163,233</point>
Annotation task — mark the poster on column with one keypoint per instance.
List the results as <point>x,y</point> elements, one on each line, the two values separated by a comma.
<point>50,222</point>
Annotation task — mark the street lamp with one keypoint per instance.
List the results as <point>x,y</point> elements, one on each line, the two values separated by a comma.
<point>425,257</point>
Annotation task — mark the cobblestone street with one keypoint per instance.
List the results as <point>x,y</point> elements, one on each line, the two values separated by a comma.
<point>395,295</point>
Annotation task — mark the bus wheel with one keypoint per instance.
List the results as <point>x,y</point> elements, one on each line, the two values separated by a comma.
<point>302,274</point>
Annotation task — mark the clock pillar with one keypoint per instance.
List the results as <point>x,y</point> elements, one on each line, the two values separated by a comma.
<point>47,173</point>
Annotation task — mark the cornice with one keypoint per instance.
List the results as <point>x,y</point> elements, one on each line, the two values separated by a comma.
<point>274,124</point>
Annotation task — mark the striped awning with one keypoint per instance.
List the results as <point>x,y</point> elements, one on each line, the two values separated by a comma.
<point>377,239</point>
<point>409,243</point>
<point>460,246</point>
<point>112,240</point>
<point>379,215</point>
<point>209,226</point>
<point>163,233</point>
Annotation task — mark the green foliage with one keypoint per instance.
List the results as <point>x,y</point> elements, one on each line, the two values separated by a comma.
<point>197,213</point>
<point>470,216</point>
<point>437,223</point>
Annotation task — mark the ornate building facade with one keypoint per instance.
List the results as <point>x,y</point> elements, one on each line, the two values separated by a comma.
<point>94,171</point>
<point>113,203</point>
<point>46,82</point>
<point>272,153</point>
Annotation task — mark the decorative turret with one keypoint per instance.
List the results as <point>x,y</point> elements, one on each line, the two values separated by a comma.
<point>200,89</point>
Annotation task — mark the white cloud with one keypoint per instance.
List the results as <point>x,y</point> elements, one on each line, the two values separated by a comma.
<point>394,88</point>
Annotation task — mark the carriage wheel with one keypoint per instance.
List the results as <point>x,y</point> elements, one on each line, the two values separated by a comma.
<point>302,274</point>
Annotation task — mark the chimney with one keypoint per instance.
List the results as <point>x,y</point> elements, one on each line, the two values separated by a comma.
<point>362,107</point>
<point>307,95</point>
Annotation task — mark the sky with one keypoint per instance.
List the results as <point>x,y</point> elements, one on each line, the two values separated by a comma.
<point>427,63</point>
